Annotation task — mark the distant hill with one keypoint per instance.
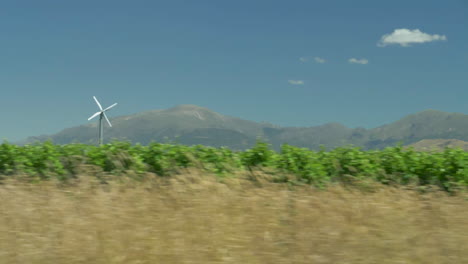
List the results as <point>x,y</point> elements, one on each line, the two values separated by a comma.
<point>438,144</point>
<point>191,124</point>
<point>184,124</point>
<point>429,124</point>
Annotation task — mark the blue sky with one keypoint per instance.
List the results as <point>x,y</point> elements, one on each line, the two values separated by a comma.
<point>291,63</point>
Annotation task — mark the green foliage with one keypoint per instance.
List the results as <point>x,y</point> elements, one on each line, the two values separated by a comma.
<point>392,165</point>
<point>39,160</point>
<point>9,157</point>
<point>217,160</point>
<point>307,165</point>
<point>164,159</point>
<point>260,155</point>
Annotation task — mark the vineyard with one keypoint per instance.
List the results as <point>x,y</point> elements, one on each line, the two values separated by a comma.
<point>391,166</point>
<point>168,203</point>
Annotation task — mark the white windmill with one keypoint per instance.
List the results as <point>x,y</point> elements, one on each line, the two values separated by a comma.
<point>101,114</point>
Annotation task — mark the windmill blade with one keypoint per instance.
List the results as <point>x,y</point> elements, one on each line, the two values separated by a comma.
<point>97,102</point>
<point>109,107</point>
<point>93,116</point>
<point>107,119</point>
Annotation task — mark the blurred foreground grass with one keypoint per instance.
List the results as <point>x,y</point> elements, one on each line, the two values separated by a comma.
<point>196,218</point>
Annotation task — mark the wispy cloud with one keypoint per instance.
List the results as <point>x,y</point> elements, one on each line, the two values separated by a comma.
<point>319,60</point>
<point>303,59</point>
<point>357,61</point>
<point>296,82</point>
<point>405,37</point>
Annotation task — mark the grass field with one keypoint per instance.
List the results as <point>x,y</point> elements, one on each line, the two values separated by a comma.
<point>197,218</point>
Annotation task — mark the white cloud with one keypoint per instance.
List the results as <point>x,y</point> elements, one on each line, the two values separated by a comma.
<point>319,60</point>
<point>406,37</point>
<point>316,59</point>
<point>361,61</point>
<point>296,82</point>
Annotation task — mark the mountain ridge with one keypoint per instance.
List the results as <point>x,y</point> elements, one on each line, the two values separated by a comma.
<point>192,124</point>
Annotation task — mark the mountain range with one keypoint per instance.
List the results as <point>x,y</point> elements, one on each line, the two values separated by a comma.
<point>191,125</point>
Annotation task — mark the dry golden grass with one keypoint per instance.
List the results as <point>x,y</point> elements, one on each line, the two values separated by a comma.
<point>192,218</point>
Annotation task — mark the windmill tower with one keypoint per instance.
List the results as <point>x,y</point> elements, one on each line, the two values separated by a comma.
<point>101,114</point>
